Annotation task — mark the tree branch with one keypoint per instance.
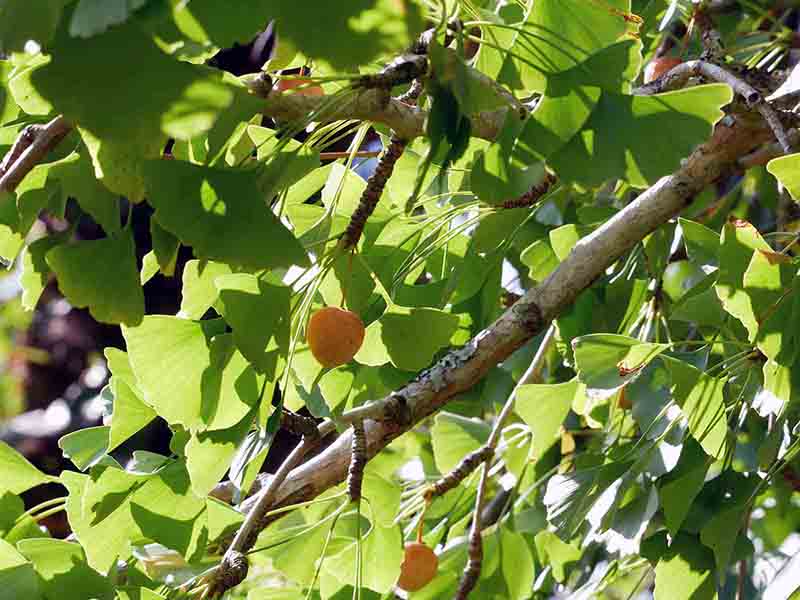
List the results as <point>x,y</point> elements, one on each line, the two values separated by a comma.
<point>387,419</point>
<point>709,36</point>
<point>407,121</point>
<point>32,145</point>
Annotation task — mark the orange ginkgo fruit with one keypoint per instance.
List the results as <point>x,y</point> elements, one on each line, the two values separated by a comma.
<point>334,335</point>
<point>658,66</point>
<point>418,568</point>
<point>300,85</point>
<point>623,401</point>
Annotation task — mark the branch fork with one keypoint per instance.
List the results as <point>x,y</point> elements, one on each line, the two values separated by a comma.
<point>679,76</point>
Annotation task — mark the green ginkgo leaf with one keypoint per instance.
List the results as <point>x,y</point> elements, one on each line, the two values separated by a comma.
<point>454,436</point>
<point>787,170</point>
<point>221,215</point>
<point>199,291</point>
<point>19,474</point>
<point>130,414</point>
<point>617,137</point>
<point>17,576</point>
<point>96,16</point>
<point>606,362</point>
<point>21,21</point>
<point>738,243</point>
<point>346,34</point>
<point>686,571</point>
<point>191,373</point>
<point>35,270</point>
<point>544,408</point>
<point>700,397</point>
<point>408,337</point>
<point>62,569</point>
<point>85,447</point>
<point>83,271</point>
<point>256,308</point>
<point>561,34</point>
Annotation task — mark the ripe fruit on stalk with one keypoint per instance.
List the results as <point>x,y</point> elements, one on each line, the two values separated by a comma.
<point>658,66</point>
<point>418,568</point>
<point>334,335</point>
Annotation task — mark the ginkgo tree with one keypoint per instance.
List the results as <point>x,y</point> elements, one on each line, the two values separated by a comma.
<point>558,311</point>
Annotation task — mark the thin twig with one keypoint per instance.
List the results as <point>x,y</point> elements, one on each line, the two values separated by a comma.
<point>298,424</point>
<point>345,154</point>
<point>248,532</point>
<point>380,176</point>
<point>373,192</point>
<point>25,139</point>
<point>472,570</point>
<point>459,473</point>
<point>774,122</point>
<point>403,69</point>
<point>709,36</point>
<point>678,76</point>
<point>475,550</point>
<point>358,460</point>
<point>412,93</point>
<point>742,574</point>
<point>533,195</point>
<point>45,139</point>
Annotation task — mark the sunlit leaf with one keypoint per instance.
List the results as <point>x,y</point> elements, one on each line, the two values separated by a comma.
<point>409,336</point>
<point>701,400</point>
<point>607,362</point>
<point>191,373</point>
<point>686,571</point>
<point>739,240</point>
<point>453,437</point>
<point>20,475</point>
<point>17,575</point>
<point>544,408</point>
<point>61,567</point>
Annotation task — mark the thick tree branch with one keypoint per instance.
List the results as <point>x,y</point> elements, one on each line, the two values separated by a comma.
<point>386,419</point>
<point>407,121</point>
